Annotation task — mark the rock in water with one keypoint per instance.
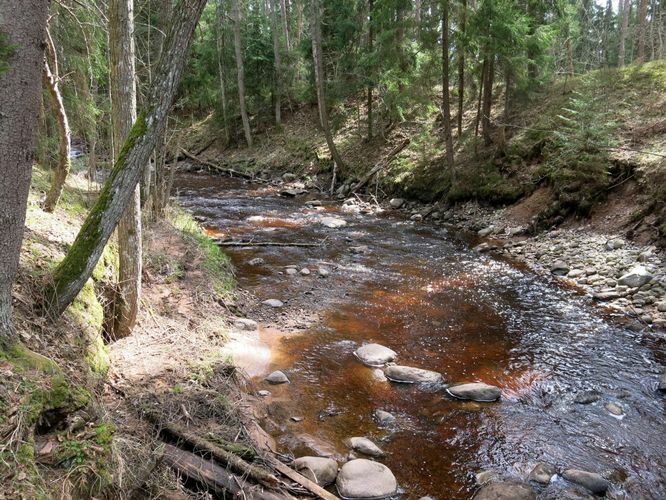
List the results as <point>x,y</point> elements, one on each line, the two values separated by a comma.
<point>362,478</point>
<point>256,262</point>
<point>638,276</point>
<point>593,482</point>
<point>542,473</point>
<point>410,375</point>
<point>277,377</point>
<point>374,354</point>
<point>367,447</point>
<point>321,470</point>
<point>506,490</point>
<point>273,303</point>
<point>614,409</point>
<point>333,222</point>
<point>384,418</point>
<point>477,391</point>
<point>662,382</point>
<point>587,397</point>
<point>559,268</point>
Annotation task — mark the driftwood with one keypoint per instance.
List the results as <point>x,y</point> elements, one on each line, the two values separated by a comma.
<point>218,168</point>
<point>216,479</point>
<point>383,163</point>
<point>203,445</point>
<point>263,244</point>
<point>311,486</point>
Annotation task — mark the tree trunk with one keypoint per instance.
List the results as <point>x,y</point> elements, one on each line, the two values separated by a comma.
<point>461,64</point>
<point>285,24</point>
<point>277,68</point>
<point>446,101</point>
<point>642,25</point>
<point>488,99</point>
<point>24,24</point>
<point>625,5</point>
<point>235,13</point>
<point>73,272</point>
<point>123,115</point>
<point>482,79</point>
<point>220,51</point>
<point>320,82</point>
<point>64,139</point>
<point>370,41</point>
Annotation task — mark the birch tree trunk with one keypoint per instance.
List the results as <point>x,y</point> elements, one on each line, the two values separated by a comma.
<point>277,68</point>
<point>77,266</point>
<point>123,115</point>
<point>320,82</point>
<point>64,139</point>
<point>446,100</point>
<point>24,24</point>
<point>235,13</point>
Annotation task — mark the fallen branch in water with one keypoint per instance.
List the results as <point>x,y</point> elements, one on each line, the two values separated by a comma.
<point>311,486</point>
<point>264,244</point>
<point>224,170</point>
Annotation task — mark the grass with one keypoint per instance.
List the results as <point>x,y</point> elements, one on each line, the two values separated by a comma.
<point>214,263</point>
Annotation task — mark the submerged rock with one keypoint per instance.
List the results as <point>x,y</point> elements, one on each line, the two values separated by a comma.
<point>662,382</point>
<point>361,478</point>
<point>542,473</point>
<point>589,480</point>
<point>384,418</point>
<point>277,377</point>
<point>321,470</point>
<point>614,409</point>
<point>410,375</point>
<point>560,268</point>
<point>476,391</point>
<point>506,490</point>
<point>587,397</point>
<point>365,446</point>
<point>375,354</point>
<point>256,262</point>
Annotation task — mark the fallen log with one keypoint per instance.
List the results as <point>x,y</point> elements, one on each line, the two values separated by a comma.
<point>264,244</point>
<point>216,479</point>
<point>383,163</point>
<point>218,168</point>
<point>225,457</point>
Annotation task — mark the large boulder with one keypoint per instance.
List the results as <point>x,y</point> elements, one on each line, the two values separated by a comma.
<point>374,354</point>
<point>589,480</point>
<point>638,276</point>
<point>477,391</point>
<point>321,470</point>
<point>410,375</point>
<point>506,490</point>
<point>365,446</point>
<point>362,478</point>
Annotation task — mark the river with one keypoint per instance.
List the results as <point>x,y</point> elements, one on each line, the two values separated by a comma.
<point>422,291</point>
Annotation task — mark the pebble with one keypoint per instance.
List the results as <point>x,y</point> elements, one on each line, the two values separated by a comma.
<point>305,271</point>
<point>333,222</point>
<point>291,271</point>
<point>384,418</point>
<point>614,409</point>
<point>273,303</point>
<point>263,393</point>
<point>587,397</point>
<point>245,324</point>
<point>256,262</point>
<point>323,272</point>
<point>396,202</point>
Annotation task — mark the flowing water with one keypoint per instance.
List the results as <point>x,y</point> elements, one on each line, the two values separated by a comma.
<point>425,294</point>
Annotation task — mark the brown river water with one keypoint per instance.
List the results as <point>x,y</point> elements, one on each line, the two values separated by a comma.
<point>423,292</point>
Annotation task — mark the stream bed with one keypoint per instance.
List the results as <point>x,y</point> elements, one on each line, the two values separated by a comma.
<point>423,292</point>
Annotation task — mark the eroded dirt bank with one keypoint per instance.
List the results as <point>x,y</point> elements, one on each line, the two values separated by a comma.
<point>579,389</point>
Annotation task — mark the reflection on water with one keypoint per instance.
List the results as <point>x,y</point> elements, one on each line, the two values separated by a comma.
<point>442,307</point>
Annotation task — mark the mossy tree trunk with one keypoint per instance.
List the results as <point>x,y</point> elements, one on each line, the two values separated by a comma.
<point>64,139</point>
<point>320,82</point>
<point>77,266</point>
<point>23,24</point>
<point>240,71</point>
<point>123,114</point>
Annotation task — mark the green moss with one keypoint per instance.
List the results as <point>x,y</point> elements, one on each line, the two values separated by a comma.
<point>25,454</point>
<point>22,357</point>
